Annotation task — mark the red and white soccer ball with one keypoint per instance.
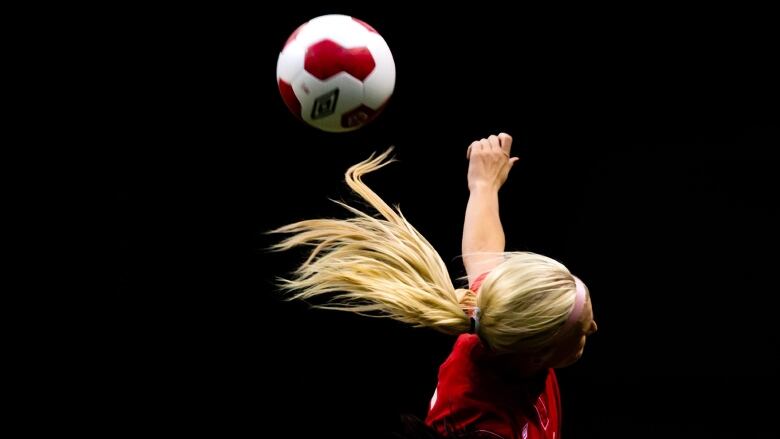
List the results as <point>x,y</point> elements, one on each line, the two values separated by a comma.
<point>336,73</point>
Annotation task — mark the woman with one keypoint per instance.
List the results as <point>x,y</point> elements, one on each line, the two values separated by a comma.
<point>523,315</point>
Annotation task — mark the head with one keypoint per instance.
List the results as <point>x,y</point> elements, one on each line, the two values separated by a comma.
<point>382,266</point>
<point>534,311</point>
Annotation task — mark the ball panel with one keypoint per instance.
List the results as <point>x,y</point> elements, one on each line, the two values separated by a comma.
<point>293,35</point>
<point>379,85</point>
<point>326,58</point>
<point>341,29</point>
<point>324,102</point>
<point>358,117</point>
<point>290,61</point>
<point>365,25</point>
<point>289,98</point>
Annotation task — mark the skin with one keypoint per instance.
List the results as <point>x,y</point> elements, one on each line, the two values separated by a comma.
<point>483,234</point>
<point>572,345</point>
<point>490,161</point>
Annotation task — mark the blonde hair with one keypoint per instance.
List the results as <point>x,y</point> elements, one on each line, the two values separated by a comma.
<point>524,302</point>
<point>383,267</point>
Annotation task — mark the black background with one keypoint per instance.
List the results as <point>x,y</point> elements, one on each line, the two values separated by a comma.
<point>645,137</point>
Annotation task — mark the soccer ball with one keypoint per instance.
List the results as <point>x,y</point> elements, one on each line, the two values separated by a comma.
<point>336,73</point>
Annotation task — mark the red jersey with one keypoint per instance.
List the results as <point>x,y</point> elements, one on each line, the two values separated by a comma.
<point>471,396</point>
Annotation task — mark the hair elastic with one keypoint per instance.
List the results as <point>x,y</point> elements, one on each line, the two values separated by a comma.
<point>474,321</point>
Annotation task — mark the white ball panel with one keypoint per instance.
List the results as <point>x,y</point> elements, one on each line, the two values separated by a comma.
<point>379,85</point>
<point>340,29</point>
<point>290,61</point>
<point>315,95</point>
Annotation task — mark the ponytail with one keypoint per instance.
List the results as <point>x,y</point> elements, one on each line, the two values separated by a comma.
<point>375,266</point>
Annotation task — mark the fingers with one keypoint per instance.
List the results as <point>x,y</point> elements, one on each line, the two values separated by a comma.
<point>475,145</point>
<point>486,144</point>
<point>501,142</point>
<point>494,142</point>
<point>506,142</point>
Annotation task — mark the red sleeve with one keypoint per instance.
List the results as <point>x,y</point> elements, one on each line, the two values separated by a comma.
<point>478,281</point>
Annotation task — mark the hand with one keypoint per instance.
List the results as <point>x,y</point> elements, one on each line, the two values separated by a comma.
<point>490,162</point>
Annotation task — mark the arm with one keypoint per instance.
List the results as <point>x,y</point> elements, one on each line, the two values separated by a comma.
<point>483,235</point>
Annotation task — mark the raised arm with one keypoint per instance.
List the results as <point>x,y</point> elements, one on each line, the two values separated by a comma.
<point>483,235</point>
